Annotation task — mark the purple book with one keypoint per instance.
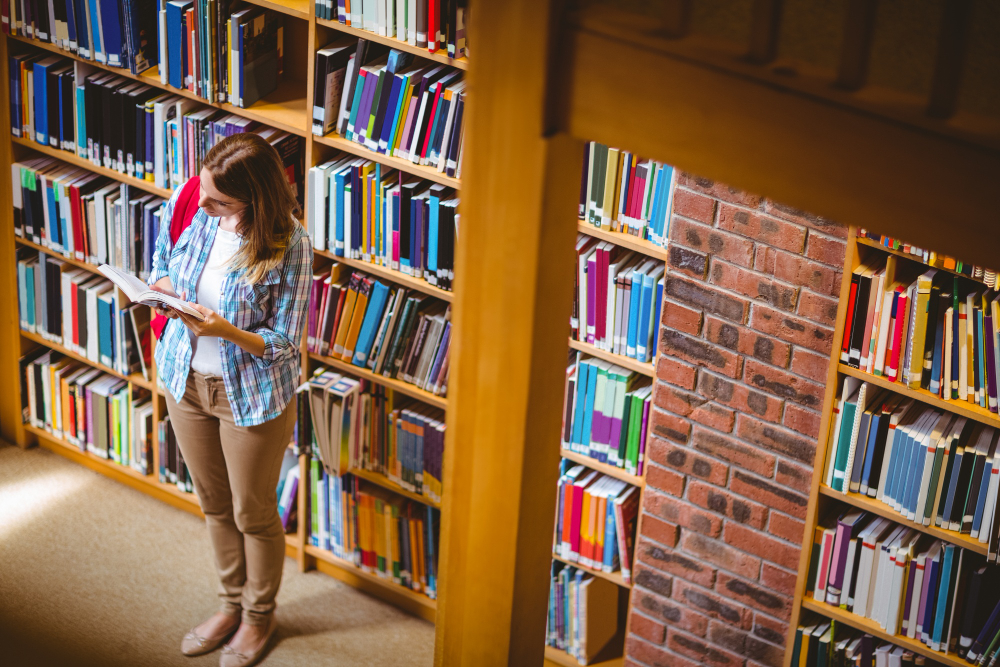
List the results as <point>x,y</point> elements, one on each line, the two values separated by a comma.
<point>614,438</point>
<point>313,313</point>
<point>909,598</point>
<point>583,179</point>
<point>438,357</point>
<point>287,516</point>
<point>591,297</point>
<point>642,438</point>
<point>926,616</point>
<point>365,108</point>
<point>847,529</point>
<point>991,375</point>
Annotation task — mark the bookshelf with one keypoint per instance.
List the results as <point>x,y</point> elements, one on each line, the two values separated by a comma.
<point>287,109</point>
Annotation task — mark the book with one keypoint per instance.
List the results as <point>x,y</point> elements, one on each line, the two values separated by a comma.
<point>138,292</point>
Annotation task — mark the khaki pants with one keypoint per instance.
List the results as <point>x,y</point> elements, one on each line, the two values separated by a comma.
<point>235,471</point>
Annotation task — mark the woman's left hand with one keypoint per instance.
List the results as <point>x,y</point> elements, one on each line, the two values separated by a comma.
<point>213,324</point>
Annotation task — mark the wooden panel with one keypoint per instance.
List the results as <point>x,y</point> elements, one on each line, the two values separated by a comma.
<point>396,277</point>
<point>603,468</point>
<point>337,141</point>
<point>765,26</point>
<point>437,56</point>
<point>646,368</point>
<point>856,48</point>
<point>398,385</point>
<point>953,40</point>
<point>625,240</point>
<point>614,577</point>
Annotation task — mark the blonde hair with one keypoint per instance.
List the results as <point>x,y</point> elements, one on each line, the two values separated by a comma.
<point>248,169</point>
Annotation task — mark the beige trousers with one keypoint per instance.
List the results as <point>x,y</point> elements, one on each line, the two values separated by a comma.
<point>235,471</point>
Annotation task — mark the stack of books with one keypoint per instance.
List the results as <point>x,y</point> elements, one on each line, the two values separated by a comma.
<point>583,612</point>
<point>937,260</point>
<point>829,643</point>
<point>435,25</point>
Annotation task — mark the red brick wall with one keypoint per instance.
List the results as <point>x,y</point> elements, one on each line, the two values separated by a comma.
<point>750,302</point>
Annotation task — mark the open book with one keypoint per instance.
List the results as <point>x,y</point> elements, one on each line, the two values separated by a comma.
<point>139,292</point>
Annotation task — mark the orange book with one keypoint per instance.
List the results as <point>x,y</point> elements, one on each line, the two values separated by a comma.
<point>414,561</point>
<point>344,318</point>
<point>419,555</point>
<point>357,317</point>
<point>602,512</point>
<point>586,528</point>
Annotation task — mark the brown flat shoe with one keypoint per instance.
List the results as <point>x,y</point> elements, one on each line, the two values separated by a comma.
<point>232,658</point>
<point>194,644</point>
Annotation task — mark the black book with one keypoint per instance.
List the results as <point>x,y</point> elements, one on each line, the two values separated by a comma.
<point>52,98</point>
<point>365,52</point>
<point>67,84</point>
<point>860,320</point>
<point>54,297</point>
<point>845,348</point>
<point>951,470</point>
<point>933,304</point>
<point>451,166</point>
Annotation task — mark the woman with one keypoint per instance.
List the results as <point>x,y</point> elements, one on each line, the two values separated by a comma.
<point>231,378</point>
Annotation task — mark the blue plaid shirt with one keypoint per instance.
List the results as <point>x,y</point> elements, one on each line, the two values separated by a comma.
<point>258,388</point>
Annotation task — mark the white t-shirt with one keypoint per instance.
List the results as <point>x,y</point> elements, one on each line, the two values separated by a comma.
<point>207,357</point>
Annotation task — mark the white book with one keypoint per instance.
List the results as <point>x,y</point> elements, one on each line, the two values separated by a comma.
<point>879,589</point>
<point>850,386</point>
<point>988,473</point>
<point>139,292</point>
<point>883,332</point>
<point>853,444</point>
<point>608,335</point>
<point>900,416</point>
<point>988,525</point>
<point>868,537</point>
<point>875,300</point>
<point>894,603</point>
<point>845,589</point>
<point>411,22</point>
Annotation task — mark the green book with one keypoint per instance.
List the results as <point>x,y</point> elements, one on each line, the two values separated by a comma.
<point>314,501</point>
<point>842,447</point>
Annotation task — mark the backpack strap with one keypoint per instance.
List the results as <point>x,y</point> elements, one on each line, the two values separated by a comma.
<point>185,209</point>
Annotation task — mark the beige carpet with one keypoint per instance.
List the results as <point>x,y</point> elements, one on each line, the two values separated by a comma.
<point>94,573</point>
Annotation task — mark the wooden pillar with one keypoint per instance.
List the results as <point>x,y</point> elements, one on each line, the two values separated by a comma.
<point>514,278</point>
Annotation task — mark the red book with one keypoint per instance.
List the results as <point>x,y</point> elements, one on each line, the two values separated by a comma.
<point>897,337</point>
<point>340,311</point>
<point>577,510</point>
<point>76,219</point>
<point>845,348</point>
<point>425,144</point>
<point>432,25</point>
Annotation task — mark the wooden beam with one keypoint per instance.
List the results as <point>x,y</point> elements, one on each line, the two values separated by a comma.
<point>856,49</point>
<point>953,40</point>
<point>676,18</point>
<point>765,29</point>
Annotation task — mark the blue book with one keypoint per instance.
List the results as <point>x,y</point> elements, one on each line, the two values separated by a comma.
<point>666,205</point>
<point>373,316</point>
<point>397,116</point>
<point>52,225</point>
<point>582,379</point>
<point>633,312</point>
<point>175,41</point>
<point>388,123</point>
<point>338,204</point>
<point>81,16</point>
<point>105,325</point>
<point>645,338</point>
<point>588,410</point>
<point>913,482</point>
<point>656,320</point>
<point>359,88</point>
<point>432,236</point>
<point>900,447</point>
<point>935,384</point>
<point>81,122</point>
<point>40,84</point>
<point>96,41</point>
<point>948,570</point>
<point>610,535</point>
<point>29,284</point>
<point>977,520</point>
<point>111,30</point>
<point>70,23</point>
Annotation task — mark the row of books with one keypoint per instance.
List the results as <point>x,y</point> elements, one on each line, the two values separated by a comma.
<point>987,276</point>
<point>617,298</point>
<point>384,100</point>
<point>932,332</point>
<point>362,210</point>
<point>392,331</point>
<point>82,312</point>
<point>127,126</point>
<point>221,51</point>
<point>435,25</point>
<point>117,33</point>
<point>596,518</point>
<point>392,538</point>
<point>933,467</point>
<point>831,644</point>
<point>172,469</point>
<point>606,413</point>
<point>82,216</point>
<point>583,612</point>
<point>622,192</point>
<point>89,409</point>
<point>907,582</point>
<point>358,425</point>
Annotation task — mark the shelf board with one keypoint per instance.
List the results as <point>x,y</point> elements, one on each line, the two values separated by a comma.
<point>872,628</point>
<point>913,258</point>
<point>284,109</point>
<point>397,385</point>
<point>610,470</point>
<point>614,577</point>
<point>963,408</point>
<point>440,56</point>
<point>881,509</point>
<point>647,369</point>
<point>381,480</point>
<point>136,379</point>
<point>557,657</point>
<point>625,240</point>
<point>391,275</point>
<point>75,160</point>
<point>336,141</point>
<point>297,8</point>
<point>48,251</point>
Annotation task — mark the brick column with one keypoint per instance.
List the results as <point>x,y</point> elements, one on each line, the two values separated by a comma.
<point>750,301</point>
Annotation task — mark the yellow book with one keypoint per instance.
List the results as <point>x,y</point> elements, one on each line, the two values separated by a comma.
<point>357,317</point>
<point>407,96</point>
<point>346,315</point>
<point>610,176</point>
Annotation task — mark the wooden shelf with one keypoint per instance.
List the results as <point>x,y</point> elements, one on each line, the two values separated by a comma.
<point>397,385</point>
<point>336,141</point>
<point>297,8</point>
<point>396,277</point>
<point>913,258</point>
<point>48,251</point>
<point>75,160</point>
<point>872,628</point>
<point>963,408</point>
<point>625,240</point>
<point>876,507</point>
<point>381,480</point>
<point>607,469</point>
<point>409,600</point>
<point>614,577</point>
<point>136,379</point>
<point>440,56</point>
<point>648,369</point>
<point>555,656</point>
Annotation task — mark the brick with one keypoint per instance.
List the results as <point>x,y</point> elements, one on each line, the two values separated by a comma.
<point>747,342</point>
<point>783,384</point>
<point>706,298</point>
<point>718,553</point>
<point>818,308</point>
<point>677,401</point>
<point>798,270</point>
<point>754,285</point>
<point>771,495</point>
<point>778,580</point>
<point>777,439</point>
<point>647,628</point>
<point>809,364</point>
<point>725,503</point>
<point>763,229</point>
<point>682,460</point>
<point>798,216</point>
<point>675,563</point>
<point>653,581</point>
<point>676,372</point>
<point>700,353</point>
<point>727,636</point>
<point>720,191</point>
<point>713,605</point>
<point>740,591</point>
<point>694,205</point>
<point>826,249</point>
<point>679,513</point>
<point>770,629</point>
<point>730,247</point>
<point>793,476</point>
<point>688,262</point>
<point>714,416</point>
<point>792,329</point>
<point>677,616</point>
<point>663,532</point>
<point>704,653</point>
<point>739,396</point>
<point>652,655</point>
<point>733,451</point>
<point>665,480</point>
<point>764,653</point>
<point>682,318</point>
<point>802,421</point>
<point>754,542</point>
<point>785,527</point>
<point>670,426</point>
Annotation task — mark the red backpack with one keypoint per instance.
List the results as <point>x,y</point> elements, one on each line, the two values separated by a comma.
<point>184,210</point>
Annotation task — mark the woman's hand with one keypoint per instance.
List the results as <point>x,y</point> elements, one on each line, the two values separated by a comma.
<point>213,324</point>
<point>163,286</point>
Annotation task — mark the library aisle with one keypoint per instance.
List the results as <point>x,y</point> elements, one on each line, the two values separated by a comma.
<point>83,575</point>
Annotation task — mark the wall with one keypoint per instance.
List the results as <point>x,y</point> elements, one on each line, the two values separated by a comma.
<point>750,302</point>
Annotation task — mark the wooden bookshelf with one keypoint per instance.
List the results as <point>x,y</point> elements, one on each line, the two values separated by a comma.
<point>614,577</point>
<point>136,378</point>
<point>603,468</point>
<point>397,277</point>
<point>404,388</point>
<point>648,369</point>
<point>69,260</point>
<point>643,246</point>
<point>440,56</point>
<point>431,174</point>
<point>381,480</point>
<point>913,258</point>
<point>297,8</point>
<point>554,656</point>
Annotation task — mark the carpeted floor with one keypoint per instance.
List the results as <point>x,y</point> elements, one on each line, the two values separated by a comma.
<point>94,573</point>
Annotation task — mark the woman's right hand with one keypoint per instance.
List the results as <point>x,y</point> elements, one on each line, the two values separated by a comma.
<point>163,286</point>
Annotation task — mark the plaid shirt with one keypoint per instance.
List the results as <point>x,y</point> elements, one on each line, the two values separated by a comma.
<point>258,388</point>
